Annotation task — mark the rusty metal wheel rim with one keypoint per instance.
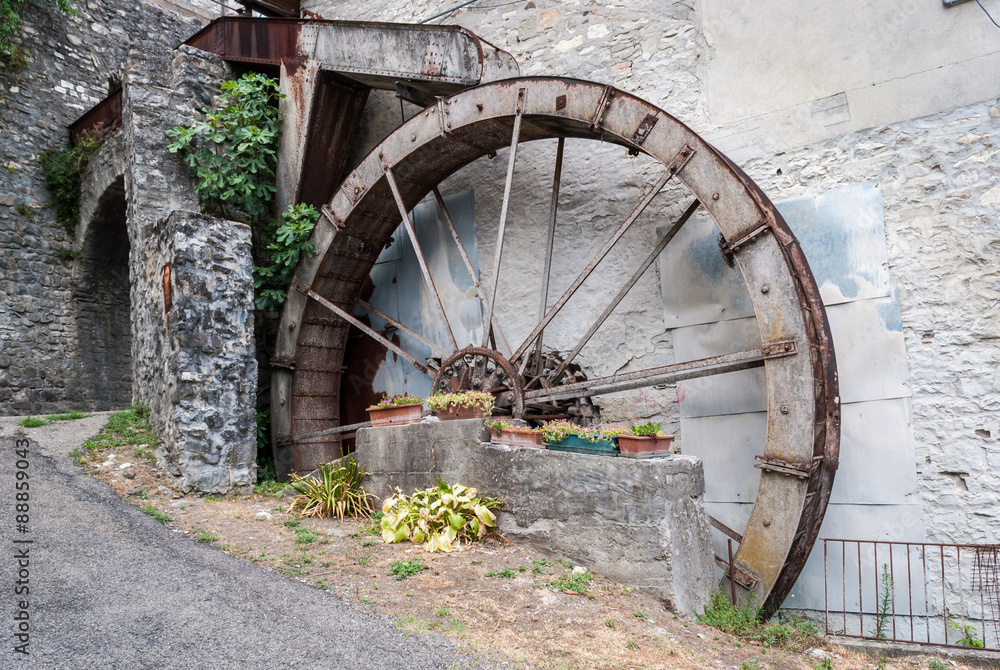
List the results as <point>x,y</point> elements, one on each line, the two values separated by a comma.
<point>803,434</point>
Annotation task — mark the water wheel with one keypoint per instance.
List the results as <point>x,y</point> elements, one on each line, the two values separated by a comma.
<point>796,352</point>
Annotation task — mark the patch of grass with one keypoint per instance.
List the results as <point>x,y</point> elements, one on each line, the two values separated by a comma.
<point>151,510</point>
<point>203,536</point>
<point>935,664</point>
<point>145,454</point>
<point>129,427</point>
<point>406,569</point>
<point>573,581</point>
<point>366,601</point>
<point>751,665</point>
<point>33,422</point>
<point>368,541</point>
<point>722,614</point>
<point>827,664</point>
<point>610,623</point>
<point>323,585</point>
<point>292,523</point>
<point>565,563</point>
<point>290,571</point>
<point>632,644</point>
<point>269,487</point>
<point>639,614</point>
<point>442,611</point>
<point>64,254</point>
<point>25,210</point>
<point>506,573</point>
<point>142,495</point>
<point>539,565</point>
<point>39,421</point>
<point>305,536</point>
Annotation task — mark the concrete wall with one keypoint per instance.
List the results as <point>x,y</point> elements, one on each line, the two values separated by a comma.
<point>641,522</point>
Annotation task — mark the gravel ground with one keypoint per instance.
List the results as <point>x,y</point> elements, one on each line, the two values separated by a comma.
<point>112,588</point>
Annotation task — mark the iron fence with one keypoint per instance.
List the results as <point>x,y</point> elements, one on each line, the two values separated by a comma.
<point>918,592</point>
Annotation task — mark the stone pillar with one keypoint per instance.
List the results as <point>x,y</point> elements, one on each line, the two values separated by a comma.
<point>205,380</point>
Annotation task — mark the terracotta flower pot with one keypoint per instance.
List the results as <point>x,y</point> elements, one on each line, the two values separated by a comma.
<point>460,413</point>
<point>644,447</point>
<point>519,437</point>
<point>395,415</point>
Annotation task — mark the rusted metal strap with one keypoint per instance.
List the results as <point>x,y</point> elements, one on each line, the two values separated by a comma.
<point>284,363</point>
<point>746,236</point>
<point>725,529</point>
<point>331,217</point>
<point>285,440</point>
<point>743,577</point>
<point>784,467</point>
<point>680,160</point>
<point>642,132</point>
<point>778,349</point>
<point>602,106</point>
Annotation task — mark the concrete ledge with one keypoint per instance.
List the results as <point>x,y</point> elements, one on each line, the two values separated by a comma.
<point>641,522</point>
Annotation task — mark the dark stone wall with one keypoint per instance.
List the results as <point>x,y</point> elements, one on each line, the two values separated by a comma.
<point>64,321</point>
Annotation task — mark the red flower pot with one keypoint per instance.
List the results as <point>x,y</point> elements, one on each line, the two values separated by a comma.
<point>460,413</point>
<point>631,446</point>
<point>396,415</point>
<point>519,437</point>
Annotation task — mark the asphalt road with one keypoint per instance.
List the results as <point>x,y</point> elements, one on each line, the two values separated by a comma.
<point>111,587</point>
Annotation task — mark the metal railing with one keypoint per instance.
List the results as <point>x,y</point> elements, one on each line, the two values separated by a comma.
<point>917,592</point>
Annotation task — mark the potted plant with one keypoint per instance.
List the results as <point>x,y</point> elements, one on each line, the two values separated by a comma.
<point>563,435</point>
<point>503,431</point>
<point>397,410</point>
<point>461,404</point>
<point>644,441</point>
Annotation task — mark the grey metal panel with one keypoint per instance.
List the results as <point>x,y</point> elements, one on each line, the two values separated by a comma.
<point>401,293</point>
<point>877,463</point>
<point>842,233</point>
<point>871,353</point>
<point>898,523</point>
<point>727,446</point>
<point>731,393</point>
<point>871,358</point>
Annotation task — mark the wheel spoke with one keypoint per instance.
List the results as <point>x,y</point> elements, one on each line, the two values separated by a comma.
<point>549,243</point>
<point>675,166</point>
<point>408,224</point>
<point>433,346</point>
<point>504,347</point>
<point>661,245</point>
<point>491,300</point>
<point>357,323</point>
<point>626,381</point>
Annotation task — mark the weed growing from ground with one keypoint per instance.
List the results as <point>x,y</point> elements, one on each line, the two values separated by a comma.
<point>39,421</point>
<point>203,536</point>
<point>33,422</point>
<point>406,569</point>
<point>268,487</point>
<point>639,614</point>
<point>304,536</point>
<point>540,564</point>
<point>632,644</point>
<point>935,664</point>
<point>573,581</point>
<point>292,523</point>
<point>506,573</point>
<point>610,623</point>
<point>290,571</point>
<point>825,664</point>
<point>151,510</point>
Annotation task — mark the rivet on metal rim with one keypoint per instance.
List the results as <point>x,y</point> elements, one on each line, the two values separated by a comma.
<point>767,521</point>
<point>765,288</point>
<point>715,196</point>
<point>784,409</point>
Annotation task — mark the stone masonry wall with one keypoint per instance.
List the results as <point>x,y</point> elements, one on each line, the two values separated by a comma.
<point>204,382</point>
<point>45,362</point>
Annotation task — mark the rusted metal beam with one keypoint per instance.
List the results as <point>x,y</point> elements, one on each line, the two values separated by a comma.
<point>105,115</point>
<point>676,165</point>
<point>661,245</point>
<point>726,530</point>
<point>286,440</point>
<point>425,271</point>
<point>549,244</point>
<point>625,381</point>
<point>433,346</point>
<point>502,227</point>
<point>357,323</point>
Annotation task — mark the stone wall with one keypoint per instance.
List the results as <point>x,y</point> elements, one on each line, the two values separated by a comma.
<point>641,522</point>
<point>51,343</point>
<point>203,381</point>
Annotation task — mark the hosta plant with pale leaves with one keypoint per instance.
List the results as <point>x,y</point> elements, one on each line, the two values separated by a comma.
<point>439,518</point>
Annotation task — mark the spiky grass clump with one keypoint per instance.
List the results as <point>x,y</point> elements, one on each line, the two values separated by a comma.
<point>336,491</point>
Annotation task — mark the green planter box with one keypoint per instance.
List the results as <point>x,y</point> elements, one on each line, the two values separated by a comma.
<point>578,445</point>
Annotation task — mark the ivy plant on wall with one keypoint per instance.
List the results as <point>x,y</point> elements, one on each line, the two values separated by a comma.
<point>233,156</point>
